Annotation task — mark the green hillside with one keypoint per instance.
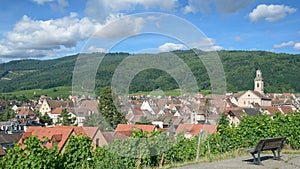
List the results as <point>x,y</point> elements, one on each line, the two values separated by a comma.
<point>280,72</point>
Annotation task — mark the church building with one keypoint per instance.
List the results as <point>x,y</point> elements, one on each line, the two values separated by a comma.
<point>255,97</point>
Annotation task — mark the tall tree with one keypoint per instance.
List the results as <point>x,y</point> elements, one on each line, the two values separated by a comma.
<point>108,109</point>
<point>65,118</point>
<point>46,119</point>
<point>97,120</point>
<point>8,114</point>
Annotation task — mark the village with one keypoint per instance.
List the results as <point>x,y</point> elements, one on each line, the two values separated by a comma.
<point>187,114</point>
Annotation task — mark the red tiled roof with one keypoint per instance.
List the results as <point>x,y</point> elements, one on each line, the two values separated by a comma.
<point>129,127</point>
<point>136,102</point>
<point>90,131</point>
<point>273,110</point>
<point>78,130</point>
<point>43,96</point>
<point>137,110</point>
<point>195,129</point>
<point>57,110</point>
<point>61,134</point>
<point>286,109</point>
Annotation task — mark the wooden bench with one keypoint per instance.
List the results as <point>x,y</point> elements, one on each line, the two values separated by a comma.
<point>267,144</point>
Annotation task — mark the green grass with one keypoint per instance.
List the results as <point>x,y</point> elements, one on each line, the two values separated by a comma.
<point>62,91</point>
<point>175,92</point>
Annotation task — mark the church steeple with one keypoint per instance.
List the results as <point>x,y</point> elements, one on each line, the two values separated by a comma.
<point>259,82</point>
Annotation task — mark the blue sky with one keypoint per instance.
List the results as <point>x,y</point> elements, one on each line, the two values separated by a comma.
<point>43,29</point>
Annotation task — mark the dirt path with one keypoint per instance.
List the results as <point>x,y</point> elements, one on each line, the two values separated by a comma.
<point>288,161</point>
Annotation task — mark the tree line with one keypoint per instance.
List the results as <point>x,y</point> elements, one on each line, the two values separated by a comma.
<point>239,67</point>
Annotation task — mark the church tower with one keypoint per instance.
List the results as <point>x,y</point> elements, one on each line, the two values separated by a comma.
<point>259,82</point>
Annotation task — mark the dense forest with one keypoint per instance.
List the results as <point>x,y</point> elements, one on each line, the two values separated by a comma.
<point>280,72</point>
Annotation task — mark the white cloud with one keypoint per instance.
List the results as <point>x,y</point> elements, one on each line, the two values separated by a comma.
<point>102,9</point>
<point>57,5</point>
<point>37,37</point>
<point>95,49</point>
<point>61,4</point>
<point>171,47</point>
<point>284,44</point>
<point>213,48</point>
<point>238,39</point>
<point>206,44</point>
<point>297,46</point>
<point>121,26</point>
<point>42,2</point>
<point>270,13</point>
<point>226,6</point>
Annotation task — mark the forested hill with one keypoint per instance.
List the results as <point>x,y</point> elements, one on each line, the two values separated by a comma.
<point>281,72</point>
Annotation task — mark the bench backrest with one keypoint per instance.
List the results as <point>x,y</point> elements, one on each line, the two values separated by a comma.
<point>269,143</point>
<point>273,143</point>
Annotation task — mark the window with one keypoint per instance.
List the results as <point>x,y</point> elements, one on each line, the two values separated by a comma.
<point>257,84</point>
<point>45,142</point>
<point>97,142</point>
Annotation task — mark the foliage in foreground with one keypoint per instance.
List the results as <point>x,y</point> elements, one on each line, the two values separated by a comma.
<point>252,129</point>
<point>154,149</point>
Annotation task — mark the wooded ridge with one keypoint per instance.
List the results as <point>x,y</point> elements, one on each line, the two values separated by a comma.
<point>280,72</point>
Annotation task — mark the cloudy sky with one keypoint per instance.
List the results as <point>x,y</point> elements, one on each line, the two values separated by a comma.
<point>45,29</point>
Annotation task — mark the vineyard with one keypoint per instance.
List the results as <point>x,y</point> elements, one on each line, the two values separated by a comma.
<point>157,149</point>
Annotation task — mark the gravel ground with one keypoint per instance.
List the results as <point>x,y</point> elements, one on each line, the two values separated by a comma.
<point>288,161</point>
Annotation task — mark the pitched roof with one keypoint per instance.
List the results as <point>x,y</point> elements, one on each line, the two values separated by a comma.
<point>57,110</point>
<point>55,103</point>
<point>81,130</point>
<point>165,118</point>
<point>237,113</point>
<point>260,95</point>
<point>195,129</point>
<point>129,127</point>
<point>136,110</point>
<point>89,105</point>
<point>286,109</point>
<point>90,131</point>
<point>59,134</point>
<point>251,111</point>
<point>9,138</point>
<point>273,110</point>
<point>2,151</point>
<point>111,136</point>
<point>24,111</point>
<point>78,130</point>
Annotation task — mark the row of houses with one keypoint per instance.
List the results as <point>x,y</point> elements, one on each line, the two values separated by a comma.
<point>59,135</point>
